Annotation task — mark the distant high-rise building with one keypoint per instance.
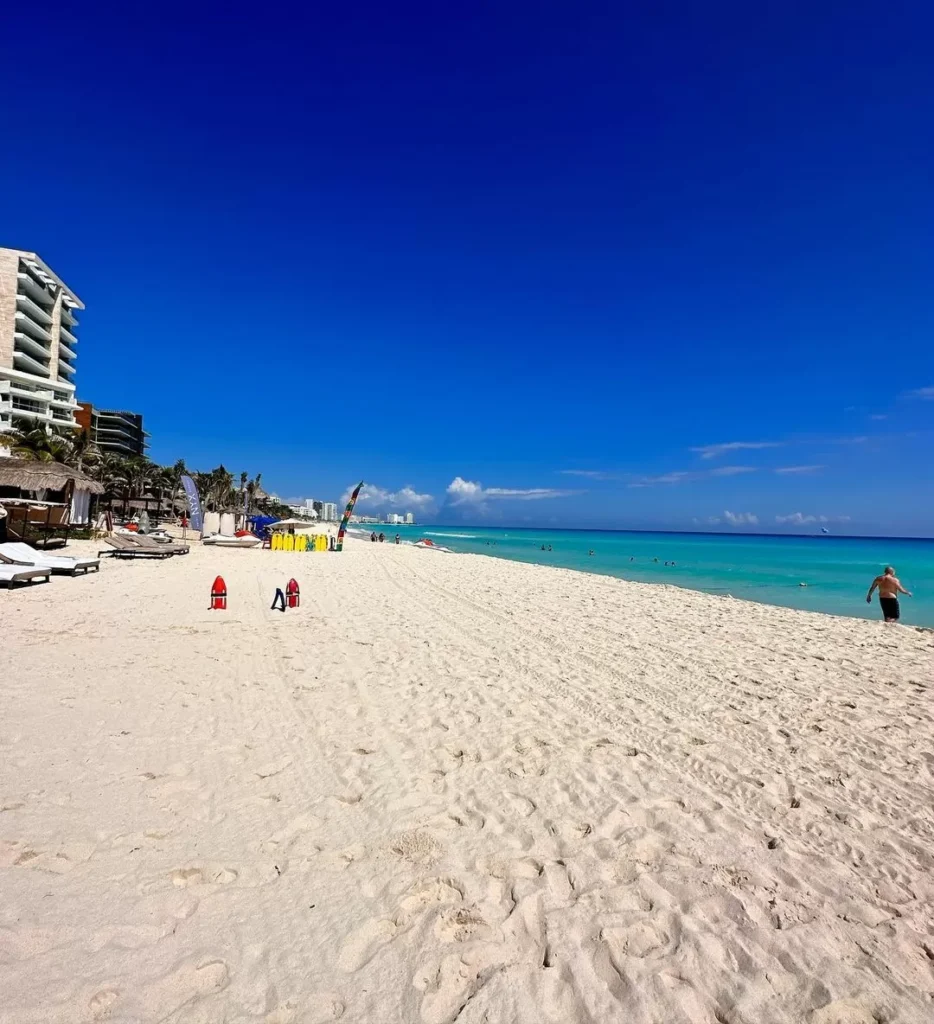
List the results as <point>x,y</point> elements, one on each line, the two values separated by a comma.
<point>114,431</point>
<point>409,519</point>
<point>37,344</point>
<point>310,504</point>
<point>328,512</point>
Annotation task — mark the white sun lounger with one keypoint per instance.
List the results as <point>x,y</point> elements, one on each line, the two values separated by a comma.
<point>11,574</point>
<point>22,554</point>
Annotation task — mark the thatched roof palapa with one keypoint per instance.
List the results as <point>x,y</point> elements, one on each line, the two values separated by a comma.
<point>30,475</point>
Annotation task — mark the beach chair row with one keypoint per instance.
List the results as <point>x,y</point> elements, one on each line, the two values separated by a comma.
<point>138,545</point>
<point>19,563</point>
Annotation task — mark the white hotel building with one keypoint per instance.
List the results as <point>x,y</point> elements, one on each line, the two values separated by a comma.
<point>37,344</point>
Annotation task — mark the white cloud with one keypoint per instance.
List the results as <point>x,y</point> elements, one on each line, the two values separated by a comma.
<point>732,470</point>
<point>374,497</point>
<point>712,451</point>
<point>471,492</point>
<point>800,519</point>
<point>665,478</point>
<point>590,474</point>
<point>741,518</point>
<point>927,393</point>
<point>791,470</point>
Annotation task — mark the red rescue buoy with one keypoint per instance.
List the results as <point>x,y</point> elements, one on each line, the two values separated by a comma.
<point>219,594</point>
<point>291,593</point>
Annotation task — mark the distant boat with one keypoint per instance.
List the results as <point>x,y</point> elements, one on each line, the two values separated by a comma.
<point>824,529</point>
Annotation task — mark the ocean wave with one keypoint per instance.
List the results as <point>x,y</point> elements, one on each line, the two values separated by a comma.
<point>464,536</point>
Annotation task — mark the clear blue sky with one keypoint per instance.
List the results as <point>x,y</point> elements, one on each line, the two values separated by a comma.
<point>500,243</point>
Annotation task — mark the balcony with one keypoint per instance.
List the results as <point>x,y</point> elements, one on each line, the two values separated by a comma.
<point>112,436</point>
<point>29,394</point>
<point>28,285</point>
<point>66,367</point>
<point>63,403</point>
<point>65,351</point>
<point>117,446</point>
<point>66,335</point>
<point>26,343</point>
<point>25,305</point>
<point>27,325</point>
<point>26,364</point>
<point>24,409</point>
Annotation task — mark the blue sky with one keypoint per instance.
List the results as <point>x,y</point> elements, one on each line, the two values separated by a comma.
<point>533,261</point>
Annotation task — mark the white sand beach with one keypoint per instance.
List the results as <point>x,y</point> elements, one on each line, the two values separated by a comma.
<point>453,788</point>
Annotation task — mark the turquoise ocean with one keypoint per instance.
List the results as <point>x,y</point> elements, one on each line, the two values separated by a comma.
<point>837,570</point>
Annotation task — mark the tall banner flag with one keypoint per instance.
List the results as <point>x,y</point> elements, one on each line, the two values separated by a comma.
<point>194,504</point>
<point>348,512</point>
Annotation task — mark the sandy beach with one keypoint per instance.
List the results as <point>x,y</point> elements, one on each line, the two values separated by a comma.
<point>454,788</point>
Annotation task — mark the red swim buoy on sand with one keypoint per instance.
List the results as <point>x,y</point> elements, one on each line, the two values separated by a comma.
<point>219,594</point>
<point>291,593</point>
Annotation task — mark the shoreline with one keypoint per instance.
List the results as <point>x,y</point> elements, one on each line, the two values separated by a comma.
<point>693,590</point>
<point>719,592</point>
<point>444,789</point>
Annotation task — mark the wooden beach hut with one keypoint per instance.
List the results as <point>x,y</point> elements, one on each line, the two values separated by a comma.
<point>44,500</point>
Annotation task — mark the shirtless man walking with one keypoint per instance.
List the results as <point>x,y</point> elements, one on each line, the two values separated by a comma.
<point>889,589</point>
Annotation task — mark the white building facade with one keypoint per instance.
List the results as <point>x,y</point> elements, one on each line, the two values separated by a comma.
<point>37,344</point>
<point>409,519</point>
<point>329,512</point>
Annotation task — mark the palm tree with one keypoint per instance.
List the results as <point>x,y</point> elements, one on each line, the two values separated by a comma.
<point>175,474</point>
<point>39,445</point>
<point>84,451</point>
<point>252,489</point>
<point>141,475</point>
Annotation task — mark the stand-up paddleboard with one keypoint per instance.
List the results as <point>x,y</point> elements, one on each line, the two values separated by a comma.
<point>348,512</point>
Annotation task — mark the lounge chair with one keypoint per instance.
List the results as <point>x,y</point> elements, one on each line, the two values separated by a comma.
<point>11,574</point>
<point>18,553</point>
<point>150,543</point>
<point>125,547</point>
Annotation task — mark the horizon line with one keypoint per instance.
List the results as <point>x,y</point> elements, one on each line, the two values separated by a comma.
<point>692,533</point>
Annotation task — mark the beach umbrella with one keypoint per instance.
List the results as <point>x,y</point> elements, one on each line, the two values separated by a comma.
<point>285,524</point>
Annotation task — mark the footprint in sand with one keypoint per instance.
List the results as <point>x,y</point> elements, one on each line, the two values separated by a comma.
<point>189,981</point>
<point>643,940</point>
<point>846,1011</point>
<point>185,877</point>
<point>100,1003</point>
<point>361,946</point>
<point>462,925</point>
<point>56,862</point>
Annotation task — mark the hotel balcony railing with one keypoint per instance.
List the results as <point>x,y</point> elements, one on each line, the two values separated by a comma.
<point>33,310</point>
<point>28,405</point>
<point>24,362</point>
<point>66,335</point>
<point>28,285</point>
<point>23,342</point>
<point>25,324</point>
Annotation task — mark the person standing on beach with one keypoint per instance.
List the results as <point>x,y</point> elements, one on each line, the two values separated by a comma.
<point>889,589</point>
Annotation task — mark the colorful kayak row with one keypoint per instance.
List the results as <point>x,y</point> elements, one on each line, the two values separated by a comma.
<point>299,542</point>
